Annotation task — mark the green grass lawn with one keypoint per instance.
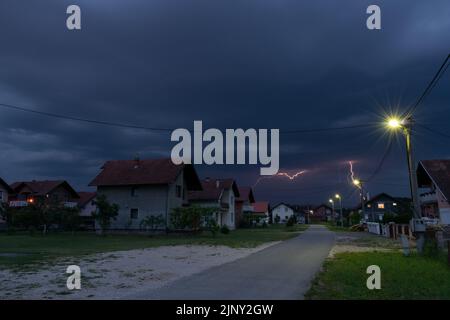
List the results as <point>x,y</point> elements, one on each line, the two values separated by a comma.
<point>414,277</point>
<point>22,250</point>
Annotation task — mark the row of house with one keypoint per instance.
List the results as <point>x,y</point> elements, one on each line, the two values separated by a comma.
<point>144,188</point>
<point>433,177</point>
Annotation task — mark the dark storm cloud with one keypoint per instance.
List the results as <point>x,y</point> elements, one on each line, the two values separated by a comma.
<point>262,64</point>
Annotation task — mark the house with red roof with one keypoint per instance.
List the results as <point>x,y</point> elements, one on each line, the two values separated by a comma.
<point>261,208</point>
<point>433,177</point>
<point>142,188</point>
<point>244,204</point>
<point>55,191</point>
<point>220,194</point>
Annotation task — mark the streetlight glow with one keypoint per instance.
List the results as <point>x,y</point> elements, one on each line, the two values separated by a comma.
<point>337,196</point>
<point>356,182</point>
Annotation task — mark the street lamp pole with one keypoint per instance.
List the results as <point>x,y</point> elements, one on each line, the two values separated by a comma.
<point>338,196</point>
<point>360,185</point>
<point>332,209</point>
<point>411,165</point>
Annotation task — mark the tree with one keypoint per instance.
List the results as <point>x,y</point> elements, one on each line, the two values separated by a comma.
<point>104,212</point>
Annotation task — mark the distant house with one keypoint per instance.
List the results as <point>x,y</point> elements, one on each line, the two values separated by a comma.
<point>322,212</point>
<point>220,194</point>
<point>5,191</point>
<point>434,177</point>
<point>282,210</point>
<point>143,188</point>
<point>261,208</point>
<point>87,206</point>
<point>243,204</point>
<point>54,191</point>
<point>302,213</point>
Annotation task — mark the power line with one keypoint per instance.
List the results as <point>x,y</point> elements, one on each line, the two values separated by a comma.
<point>92,121</point>
<point>133,126</point>
<point>428,89</point>
<point>437,132</point>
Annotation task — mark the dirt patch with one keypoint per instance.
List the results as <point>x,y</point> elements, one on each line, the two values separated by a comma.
<point>117,274</point>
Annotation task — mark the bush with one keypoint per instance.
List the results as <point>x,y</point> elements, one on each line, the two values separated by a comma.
<point>152,222</point>
<point>213,227</point>
<point>277,219</point>
<point>224,229</point>
<point>291,221</point>
<point>190,218</point>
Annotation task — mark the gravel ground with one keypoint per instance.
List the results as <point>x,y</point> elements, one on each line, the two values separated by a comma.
<point>117,274</point>
<point>362,242</point>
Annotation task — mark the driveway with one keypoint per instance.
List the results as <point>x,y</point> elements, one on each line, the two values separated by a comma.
<point>282,271</point>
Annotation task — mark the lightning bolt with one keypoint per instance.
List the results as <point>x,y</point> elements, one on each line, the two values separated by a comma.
<point>281,174</point>
<point>352,173</point>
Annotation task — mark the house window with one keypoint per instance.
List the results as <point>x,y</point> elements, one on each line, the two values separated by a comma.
<point>134,213</point>
<point>285,209</point>
<point>369,205</point>
<point>381,206</point>
<point>134,192</point>
<point>178,191</point>
<point>394,204</point>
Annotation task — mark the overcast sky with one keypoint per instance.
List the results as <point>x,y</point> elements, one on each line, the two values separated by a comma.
<point>242,63</point>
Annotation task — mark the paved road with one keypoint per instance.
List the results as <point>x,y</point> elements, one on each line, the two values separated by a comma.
<point>282,271</point>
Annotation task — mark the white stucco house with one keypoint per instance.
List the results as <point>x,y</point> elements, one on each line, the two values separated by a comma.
<point>220,194</point>
<point>142,188</point>
<point>282,210</point>
<point>433,178</point>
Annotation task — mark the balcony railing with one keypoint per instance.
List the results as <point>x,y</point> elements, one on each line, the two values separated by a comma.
<point>428,197</point>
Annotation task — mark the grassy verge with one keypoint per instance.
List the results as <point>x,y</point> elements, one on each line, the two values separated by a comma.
<point>414,277</point>
<point>21,250</point>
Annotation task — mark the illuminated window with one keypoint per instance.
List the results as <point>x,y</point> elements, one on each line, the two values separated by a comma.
<point>394,204</point>
<point>380,205</point>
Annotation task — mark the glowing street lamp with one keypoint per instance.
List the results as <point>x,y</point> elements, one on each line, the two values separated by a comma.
<point>405,125</point>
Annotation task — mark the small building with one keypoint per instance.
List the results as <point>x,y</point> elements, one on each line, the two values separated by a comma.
<point>142,188</point>
<point>47,191</point>
<point>87,206</point>
<point>283,211</point>
<point>220,194</point>
<point>433,177</point>
<point>244,204</point>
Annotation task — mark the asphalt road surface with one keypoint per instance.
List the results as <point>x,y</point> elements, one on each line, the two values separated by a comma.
<point>282,271</point>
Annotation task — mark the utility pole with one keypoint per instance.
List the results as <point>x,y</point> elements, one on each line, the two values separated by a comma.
<point>360,185</point>
<point>411,168</point>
